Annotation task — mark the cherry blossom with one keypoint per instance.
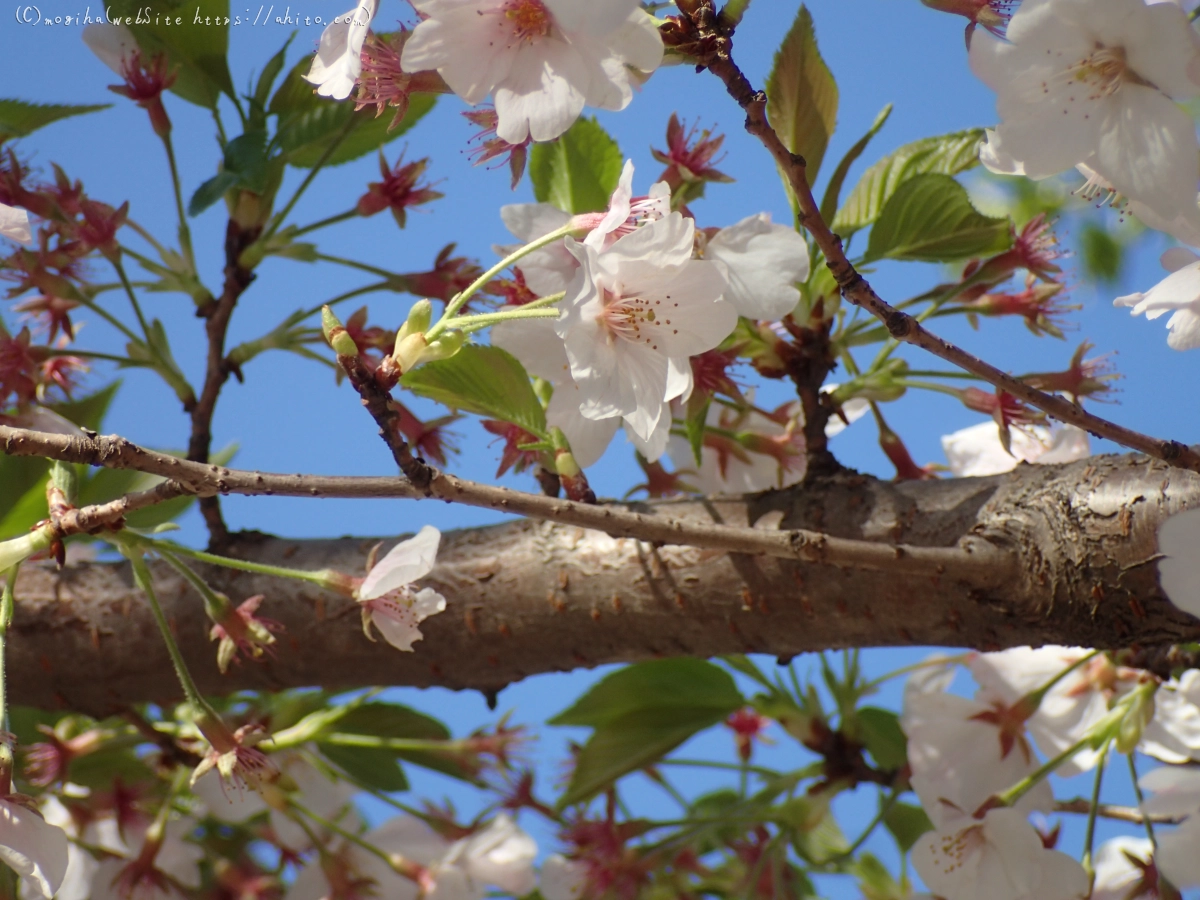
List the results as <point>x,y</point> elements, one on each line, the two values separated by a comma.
<point>499,855</point>
<point>963,751</point>
<point>1178,294</point>
<point>1179,569</point>
<point>1124,870</point>
<point>999,858</point>
<point>329,798</point>
<point>632,317</point>
<point>161,869</point>
<point>977,450</point>
<point>338,62</point>
<point>14,224</point>
<point>32,847</point>
<point>1176,793</point>
<point>542,60</point>
<point>1095,82</point>
<point>625,212</point>
<point>562,878</point>
<point>113,44</point>
<point>762,262</point>
<point>386,595</point>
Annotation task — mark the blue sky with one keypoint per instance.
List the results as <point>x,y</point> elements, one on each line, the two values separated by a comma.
<point>290,416</point>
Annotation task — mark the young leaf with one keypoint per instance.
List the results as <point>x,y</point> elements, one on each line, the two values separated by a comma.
<point>391,720</point>
<point>211,191</point>
<point>833,190</point>
<point>883,737</point>
<point>948,154</point>
<point>642,712</point>
<point>802,97</point>
<point>483,380</point>
<point>195,48</point>
<point>19,119</point>
<point>930,218</point>
<point>370,767</point>
<point>579,171</point>
<point>906,823</point>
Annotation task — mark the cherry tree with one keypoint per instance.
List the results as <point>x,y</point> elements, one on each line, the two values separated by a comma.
<point>186,722</point>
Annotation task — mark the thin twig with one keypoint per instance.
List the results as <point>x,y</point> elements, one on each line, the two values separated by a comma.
<point>977,562</point>
<point>701,33</point>
<point>1082,806</point>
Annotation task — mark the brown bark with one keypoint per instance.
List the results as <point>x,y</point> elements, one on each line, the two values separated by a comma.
<point>530,597</point>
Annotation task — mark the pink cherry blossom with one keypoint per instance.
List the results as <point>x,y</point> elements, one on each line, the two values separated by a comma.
<point>762,262</point>
<point>387,597</point>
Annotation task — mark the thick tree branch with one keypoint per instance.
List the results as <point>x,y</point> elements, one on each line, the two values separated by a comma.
<point>700,32</point>
<point>531,597</point>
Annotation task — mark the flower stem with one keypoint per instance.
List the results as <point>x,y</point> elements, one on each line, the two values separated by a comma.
<point>217,606</point>
<point>484,320</point>
<point>133,300</point>
<point>1090,835</point>
<point>1029,782</point>
<point>460,299</point>
<point>1033,699</point>
<point>185,234</point>
<point>1137,792</point>
<point>141,574</point>
<point>242,565</point>
<point>6,612</point>
<point>280,216</point>
<point>323,223</point>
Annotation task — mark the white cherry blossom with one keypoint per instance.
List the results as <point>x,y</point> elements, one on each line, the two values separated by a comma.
<point>1095,82</point>
<point>14,224</point>
<point>339,56</point>
<point>1178,294</point>
<point>548,269</point>
<point>113,44</point>
<point>542,60</point>
<point>632,317</point>
<point>964,751</point>
<point>1179,569</point>
<point>1116,875</point>
<point>330,798</point>
<point>977,451</point>
<point>500,855</point>
<point>1176,792</point>
<point>763,262</point>
<point>33,848</point>
<point>386,595</point>
<point>998,858</point>
<point>562,878</point>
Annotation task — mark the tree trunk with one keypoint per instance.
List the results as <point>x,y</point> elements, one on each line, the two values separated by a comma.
<point>529,597</point>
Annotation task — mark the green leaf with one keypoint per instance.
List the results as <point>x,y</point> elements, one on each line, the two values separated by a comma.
<point>368,766</point>
<point>833,190</point>
<point>309,124</point>
<point>697,416</point>
<point>1102,253</point>
<point>391,720</point>
<point>579,171</point>
<point>883,737</point>
<point>802,97</point>
<point>211,191</point>
<point>641,713</point>
<point>930,219</point>
<point>948,154</point>
<point>19,474</point>
<point>906,823</point>
<point>20,119</point>
<point>270,72</point>
<point>484,380</point>
<point>26,512</point>
<point>874,880</point>
<point>194,37</point>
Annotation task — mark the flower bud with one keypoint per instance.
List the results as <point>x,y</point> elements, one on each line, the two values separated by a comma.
<point>444,347</point>
<point>419,317</point>
<point>337,336</point>
<point>409,350</point>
